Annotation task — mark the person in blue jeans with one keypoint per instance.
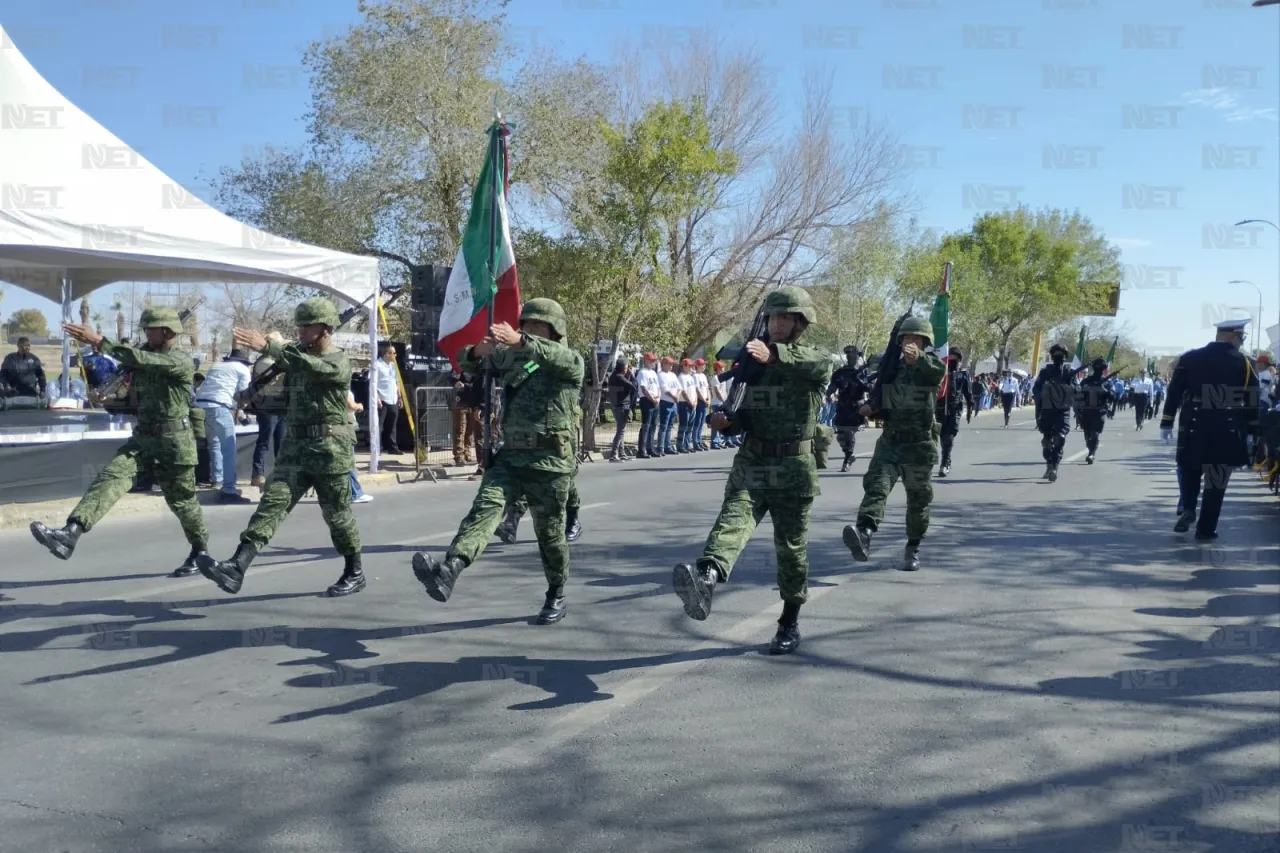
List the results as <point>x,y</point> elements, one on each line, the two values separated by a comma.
<point>649,392</point>
<point>685,407</point>
<point>219,398</point>
<point>671,391</point>
<point>702,401</point>
<point>358,495</point>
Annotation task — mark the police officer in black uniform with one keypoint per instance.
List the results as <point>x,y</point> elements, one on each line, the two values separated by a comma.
<point>1216,389</point>
<point>1053,394</point>
<point>1094,398</point>
<point>851,384</point>
<point>958,397</point>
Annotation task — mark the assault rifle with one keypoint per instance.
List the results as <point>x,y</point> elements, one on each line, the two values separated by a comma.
<point>745,370</point>
<point>887,370</point>
<point>117,396</point>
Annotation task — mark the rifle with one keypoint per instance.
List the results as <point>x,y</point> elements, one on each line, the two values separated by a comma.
<point>887,370</point>
<point>745,370</point>
<point>117,395</point>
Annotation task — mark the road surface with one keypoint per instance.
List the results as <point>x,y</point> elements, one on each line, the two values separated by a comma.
<point>1065,674</point>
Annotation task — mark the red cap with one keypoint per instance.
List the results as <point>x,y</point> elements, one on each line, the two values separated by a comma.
<point>718,366</point>
<point>650,356</point>
<point>684,362</point>
<point>666,359</point>
<point>702,362</point>
<point>1263,359</point>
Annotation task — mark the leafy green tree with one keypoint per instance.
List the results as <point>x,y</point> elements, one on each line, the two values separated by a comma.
<point>28,322</point>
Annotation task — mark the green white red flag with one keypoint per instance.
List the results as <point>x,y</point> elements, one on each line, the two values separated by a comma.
<point>473,286</point>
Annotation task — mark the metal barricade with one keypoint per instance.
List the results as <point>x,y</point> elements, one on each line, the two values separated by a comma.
<point>434,434</point>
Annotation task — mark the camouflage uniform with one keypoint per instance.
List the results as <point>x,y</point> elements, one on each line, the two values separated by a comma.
<point>537,461</point>
<point>774,472</point>
<point>163,445</point>
<point>515,511</point>
<point>907,450</point>
<point>317,453</point>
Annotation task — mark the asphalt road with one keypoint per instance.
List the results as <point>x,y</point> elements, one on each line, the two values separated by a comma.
<point>1065,674</point>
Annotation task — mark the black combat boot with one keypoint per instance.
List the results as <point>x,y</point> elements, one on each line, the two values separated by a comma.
<point>509,527</point>
<point>787,640</point>
<point>229,574</point>
<point>437,578</point>
<point>695,586</point>
<point>572,526</point>
<point>192,565</point>
<point>858,541</point>
<point>848,458</point>
<point>1051,474</point>
<point>61,542</point>
<point>945,468</point>
<point>911,559</point>
<point>1185,520</point>
<point>352,580</point>
<point>554,608</point>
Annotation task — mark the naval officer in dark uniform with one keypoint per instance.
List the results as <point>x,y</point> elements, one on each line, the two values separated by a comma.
<point>1216,389</point>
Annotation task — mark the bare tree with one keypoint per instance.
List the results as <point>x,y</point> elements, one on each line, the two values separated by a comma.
<point>252,306</point>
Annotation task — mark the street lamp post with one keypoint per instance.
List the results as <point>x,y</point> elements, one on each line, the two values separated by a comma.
<point>1259,289</point>
<point>1261,221</point>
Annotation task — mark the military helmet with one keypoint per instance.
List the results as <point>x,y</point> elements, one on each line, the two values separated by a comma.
<point>316,311</point>
<point>1057,348</point>
<point>790,300</point>
<point>852,349</point>
<point>917,326</point>
<point>162,317</point>
<point>546,311</point>
<point>1099,364</point>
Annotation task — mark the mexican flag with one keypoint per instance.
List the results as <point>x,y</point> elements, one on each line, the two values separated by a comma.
<point>1111,356</point>
<point>1077,360</point>
<point>473,287</point>
<point>938,319</point>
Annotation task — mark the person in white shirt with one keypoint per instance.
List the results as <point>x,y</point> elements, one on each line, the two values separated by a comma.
<point>686,406</point>
<point>719,395</point>
<point>387,380</point>
<point>701,404</point>
<point>671,395</point>
<point>1140,391</point>
<point>650,392</point>
<point>218,396</point>
<point>1008,387</point>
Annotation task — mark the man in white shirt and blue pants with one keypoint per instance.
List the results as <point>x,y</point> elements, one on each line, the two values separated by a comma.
<point>218,396</point>
<point>387,380</point>
<point>1140,391</point>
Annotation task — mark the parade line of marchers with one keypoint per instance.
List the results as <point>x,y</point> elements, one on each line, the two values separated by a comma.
<point>776,390</point>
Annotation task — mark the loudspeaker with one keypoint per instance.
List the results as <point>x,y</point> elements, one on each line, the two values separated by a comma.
<point>428,285</point>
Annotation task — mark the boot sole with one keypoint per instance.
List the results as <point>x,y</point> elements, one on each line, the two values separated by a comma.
<point>1184,522</point>
<point>422,571</point>
<point>185,572</point>
<point>209,568</point>
<point>696,605</point>
<point>775,649</point>
<point>55,548</point>
<point>854,544</point>
<point>553,619</point>
<point>338,592</point>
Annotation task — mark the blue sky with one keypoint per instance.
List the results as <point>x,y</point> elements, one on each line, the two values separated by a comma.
<point>1156,119</point>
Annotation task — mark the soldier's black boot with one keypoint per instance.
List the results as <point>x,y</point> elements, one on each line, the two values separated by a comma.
<point>787,640</point>
<point>945,468</point>
<point>911,559</point>
<point>437,578</point>
<point>229,574</point>
<point>352,580</point>
<point>192,565</point>
<point>509,527</point>
<point>848,458</point>
<point>554,608</point>
<point>572,526</point>
<point>858,541</point>
<point>695,586</point>
<point>1052,473</point>
<point>60,541</point>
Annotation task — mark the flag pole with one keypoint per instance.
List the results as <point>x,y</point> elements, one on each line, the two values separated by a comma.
<point>495,143</point>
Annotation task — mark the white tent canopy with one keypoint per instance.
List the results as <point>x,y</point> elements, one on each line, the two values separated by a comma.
<point>79,210</point>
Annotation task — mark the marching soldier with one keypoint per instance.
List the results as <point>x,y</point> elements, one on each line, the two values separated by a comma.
<point>541,378</point>
<point>1217,391</point>
<point>907,449</point>
<point>318,451</point>
<point>774,472</point>
<point>515,510</point>
<point>1053,393</point>
<point>163,445</point>
<point>1094,399</point>
<point>850,384</point>
<point>951,405</point>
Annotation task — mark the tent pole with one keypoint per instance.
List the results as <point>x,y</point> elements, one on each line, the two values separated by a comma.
<point>375,440</point>
<point>64,383</point>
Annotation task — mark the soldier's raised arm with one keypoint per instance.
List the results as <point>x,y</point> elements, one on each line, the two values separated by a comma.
<point>323,370</point>
<point>805,363</point>
<point>929,369</point>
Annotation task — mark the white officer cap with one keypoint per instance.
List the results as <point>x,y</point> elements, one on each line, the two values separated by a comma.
<point>1236,325</point>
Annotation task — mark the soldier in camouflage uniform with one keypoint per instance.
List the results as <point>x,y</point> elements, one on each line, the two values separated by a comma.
<point>163,445</point>
<point>541,379</point>
<point>514,511</point>
<point>318,450</point>
<point>907,449</point>
<point>774,471</point>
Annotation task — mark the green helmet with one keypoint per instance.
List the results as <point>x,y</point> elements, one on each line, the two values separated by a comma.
<point>546,311</point>
<point>162,317</point>
<point>917,326</point>
<point>316,311</point>
<point>790,300</point>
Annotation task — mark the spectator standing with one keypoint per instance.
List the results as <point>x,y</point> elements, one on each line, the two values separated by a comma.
<point>23,372</point>
<point>218,397</point>
<point>649,387</point>
<point>387,381</point>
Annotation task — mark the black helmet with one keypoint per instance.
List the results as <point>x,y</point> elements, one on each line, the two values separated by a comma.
<point>956,354</point>
<point>1098,364</point>
<point>851,349</point>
